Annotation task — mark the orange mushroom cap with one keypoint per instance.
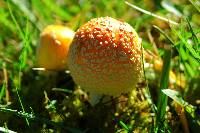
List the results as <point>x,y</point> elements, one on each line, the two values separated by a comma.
<point>105,57</point>
<point>53,48</point>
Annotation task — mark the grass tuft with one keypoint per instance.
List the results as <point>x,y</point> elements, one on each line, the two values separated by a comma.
<point>23,56</point>
<point>194,3</point>
<point>164,82</point>
<point>162,98</point>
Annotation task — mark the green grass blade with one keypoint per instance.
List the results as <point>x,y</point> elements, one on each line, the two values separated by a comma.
<point>194,37</point>
<point>22,56</point>
<point>22,62</point>
<point>188,46</point>
<point>5,21</point>
<point>15,21</point>
<point>189,69</point>
<point>23,6</point>
<point>5,84</point>
<point>124,126</point>
<point>188,53</point>
<point>165,35</point>
<point>2,92</point>
<point>162,98</point>
<point>62,90</point>
<point>176,96</point>
<point>26,42</point>
<point>195,5</point>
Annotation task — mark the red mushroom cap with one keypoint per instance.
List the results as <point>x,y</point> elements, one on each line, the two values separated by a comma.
<point>105,57</point>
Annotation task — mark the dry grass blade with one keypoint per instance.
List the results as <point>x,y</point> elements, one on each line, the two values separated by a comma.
<point>151,14</point>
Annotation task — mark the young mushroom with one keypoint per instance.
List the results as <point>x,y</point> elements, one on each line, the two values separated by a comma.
<point>53,48</point>
<point>105,57</point>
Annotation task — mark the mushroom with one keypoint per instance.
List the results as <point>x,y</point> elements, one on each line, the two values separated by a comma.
<point>53,48</point>
<point>105,57</point>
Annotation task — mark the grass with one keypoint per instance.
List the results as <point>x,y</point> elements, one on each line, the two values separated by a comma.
<point>151,14</point>
<point>167,101</point>
<point>162,98</point>
<point>22,57</point>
